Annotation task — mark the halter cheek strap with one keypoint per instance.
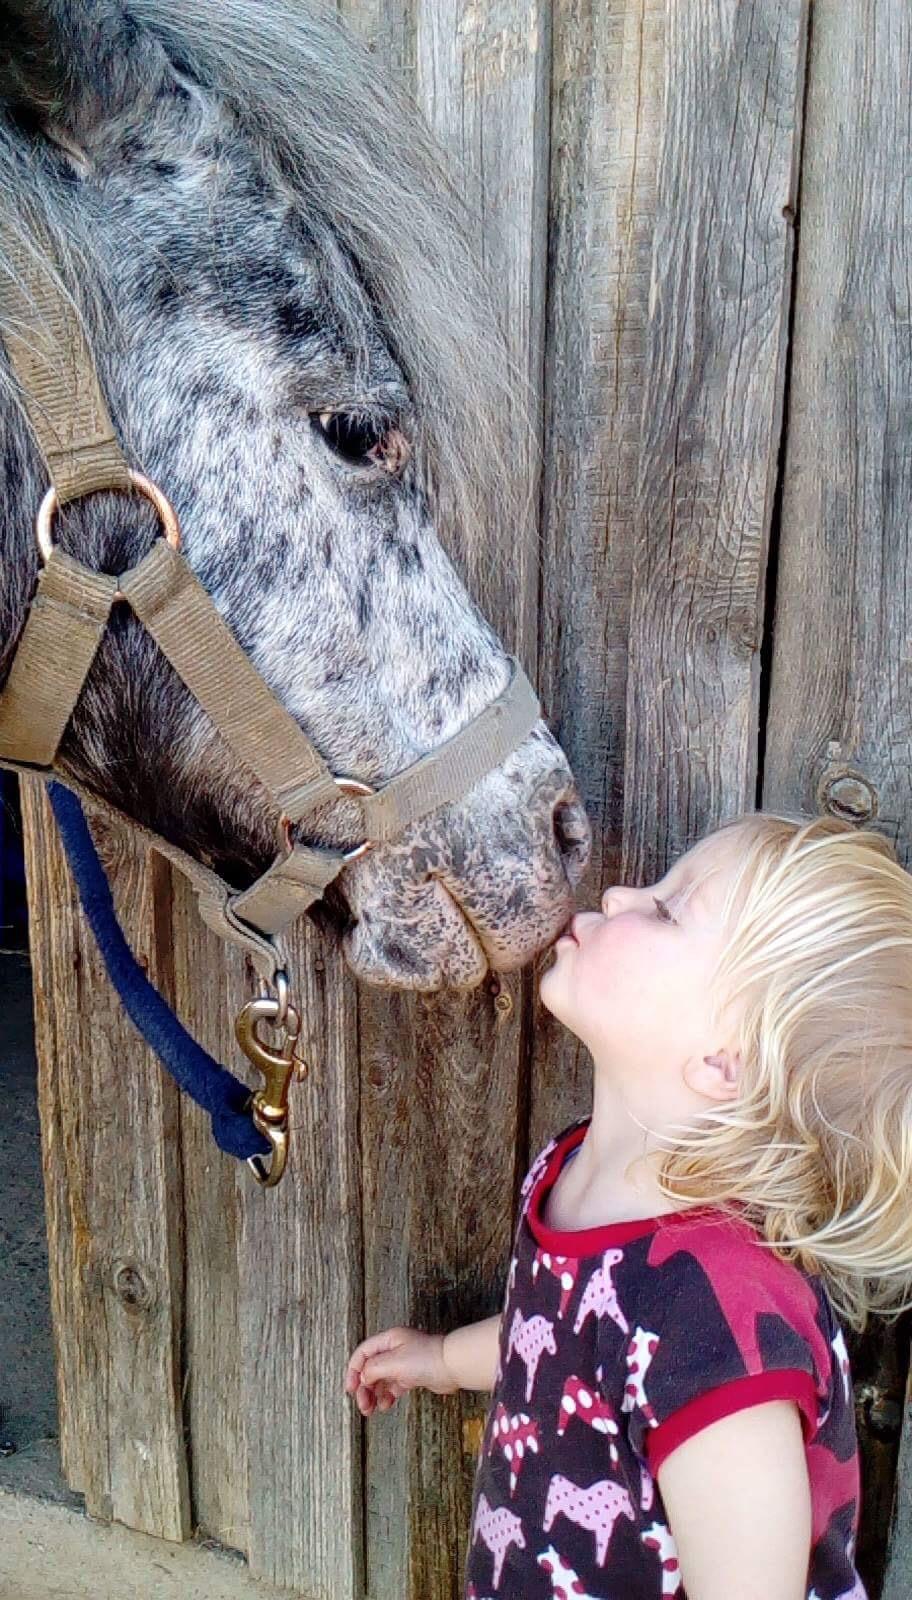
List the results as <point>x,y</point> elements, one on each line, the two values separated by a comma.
<point>64,627</point>
<point>61,395</point>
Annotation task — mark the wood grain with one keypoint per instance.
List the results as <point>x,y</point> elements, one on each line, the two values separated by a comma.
<point>388,29</point>
<point>839,730</point>
<point>608,85</point>
<point>299,1308</point>
<point>208,985</point>
<point>111,1162</point>
<point>712,404</point>
<point>899,1564</point>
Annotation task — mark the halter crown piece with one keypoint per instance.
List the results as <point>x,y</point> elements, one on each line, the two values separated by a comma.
<point>58,383</point>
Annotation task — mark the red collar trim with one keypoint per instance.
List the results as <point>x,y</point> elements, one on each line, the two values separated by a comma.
<point>584,1241</point>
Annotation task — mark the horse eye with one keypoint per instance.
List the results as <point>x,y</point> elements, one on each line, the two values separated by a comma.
<point>362,440</point>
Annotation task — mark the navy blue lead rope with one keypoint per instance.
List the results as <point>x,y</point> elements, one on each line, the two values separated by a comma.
<point>200,1076</point>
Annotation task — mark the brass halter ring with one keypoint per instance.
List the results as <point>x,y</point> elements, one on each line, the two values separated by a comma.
<point>352,786</point>
<point>50,506</point>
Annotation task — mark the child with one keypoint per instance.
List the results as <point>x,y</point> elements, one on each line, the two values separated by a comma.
<point>672,1403</point>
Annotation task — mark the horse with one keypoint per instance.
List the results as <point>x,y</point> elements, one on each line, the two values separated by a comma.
<point>272,268</point>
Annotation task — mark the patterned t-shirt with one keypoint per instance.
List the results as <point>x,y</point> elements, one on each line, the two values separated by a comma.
<point>617,1344</point>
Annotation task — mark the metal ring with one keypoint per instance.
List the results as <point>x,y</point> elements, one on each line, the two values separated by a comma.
<point>354,786</point>
<point>279,997</point>
<point>50,505</point>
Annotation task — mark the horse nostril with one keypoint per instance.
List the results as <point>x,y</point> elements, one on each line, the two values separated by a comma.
<point>572,833</point>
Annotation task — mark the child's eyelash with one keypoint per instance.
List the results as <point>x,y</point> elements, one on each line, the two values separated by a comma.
<point>664,913</point>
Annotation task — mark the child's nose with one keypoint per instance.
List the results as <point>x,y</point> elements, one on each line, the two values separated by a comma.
<point>616,898</point>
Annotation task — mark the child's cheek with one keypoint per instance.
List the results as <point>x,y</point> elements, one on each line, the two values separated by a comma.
<point>629,964</point>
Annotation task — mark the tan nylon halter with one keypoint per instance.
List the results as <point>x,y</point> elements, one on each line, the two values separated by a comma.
<point>59,387</point>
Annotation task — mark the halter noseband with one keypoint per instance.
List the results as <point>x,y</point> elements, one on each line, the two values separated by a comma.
<point>61,394</point>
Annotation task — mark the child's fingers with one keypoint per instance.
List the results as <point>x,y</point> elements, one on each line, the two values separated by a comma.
<point>387,1395</point>
<point>377,1344</point>
<point>388,1367</point>
<point>365,1400</point>
<point>352,1376</point>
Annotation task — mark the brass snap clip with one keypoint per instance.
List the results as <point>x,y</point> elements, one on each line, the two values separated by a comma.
<point>279,1065</point>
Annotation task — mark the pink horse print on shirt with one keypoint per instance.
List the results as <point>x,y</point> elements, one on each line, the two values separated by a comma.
<point>516,1437</point>
<point>640,1352</point>
<point>565,1270</point>
<point>580,1400</point>
<point>498,1529</point>
<point>599,1295</point>
<point>597,1509</point>
<point>857,1592</point>
<point>565,1585</point>
<point>660,1539</point>
<point>531,1340</point>
<point>535,1172</point>
<point>838,1347</point>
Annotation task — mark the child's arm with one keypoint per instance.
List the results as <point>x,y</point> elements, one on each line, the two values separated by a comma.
<point>739,1506</point>
<point>388,1364</point>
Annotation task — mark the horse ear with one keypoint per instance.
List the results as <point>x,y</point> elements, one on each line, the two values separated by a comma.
<point>74,65</point>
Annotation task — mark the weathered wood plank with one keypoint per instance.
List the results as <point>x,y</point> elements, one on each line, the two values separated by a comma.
<point>899,1562</point>
<point>111,1159</point>
<point>718,323</point>
<point>839,735</point>
<point>439,1074</point>
<point>300,1310</point>
<point>209,986</point>
<point>607,89</point>
<point>388,28</point>
<point>482,75</point>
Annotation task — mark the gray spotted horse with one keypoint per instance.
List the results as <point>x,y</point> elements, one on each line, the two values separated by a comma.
<point>272,273</point>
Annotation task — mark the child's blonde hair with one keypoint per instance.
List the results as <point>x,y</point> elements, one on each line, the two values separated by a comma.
<point>818,975</point>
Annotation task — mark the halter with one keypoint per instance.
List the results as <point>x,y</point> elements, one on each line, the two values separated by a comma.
<point>62,398</point>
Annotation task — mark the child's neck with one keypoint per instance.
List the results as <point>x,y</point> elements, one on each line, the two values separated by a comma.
<point>609,1180</point>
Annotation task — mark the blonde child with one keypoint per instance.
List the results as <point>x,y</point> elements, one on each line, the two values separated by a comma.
<point>672,1408</point>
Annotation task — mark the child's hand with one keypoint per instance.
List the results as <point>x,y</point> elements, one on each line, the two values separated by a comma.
<point>388,1364</point>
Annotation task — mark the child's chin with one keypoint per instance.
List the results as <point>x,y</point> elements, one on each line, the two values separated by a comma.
<point>551,991</point>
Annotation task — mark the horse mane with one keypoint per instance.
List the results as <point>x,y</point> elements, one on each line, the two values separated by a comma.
<point>347,143</point>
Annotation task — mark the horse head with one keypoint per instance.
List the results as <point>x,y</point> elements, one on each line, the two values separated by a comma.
<point>293,343</point>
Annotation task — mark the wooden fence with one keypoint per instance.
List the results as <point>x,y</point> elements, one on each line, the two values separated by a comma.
<point>698,213</point>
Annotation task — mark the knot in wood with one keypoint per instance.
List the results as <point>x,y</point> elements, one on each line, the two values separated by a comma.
<point>130,1286</point>
<point>848,795</point>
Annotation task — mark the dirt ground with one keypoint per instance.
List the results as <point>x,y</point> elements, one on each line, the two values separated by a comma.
<point>51,1552</point>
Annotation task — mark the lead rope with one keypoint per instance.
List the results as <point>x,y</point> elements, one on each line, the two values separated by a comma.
<point>235,1114</point>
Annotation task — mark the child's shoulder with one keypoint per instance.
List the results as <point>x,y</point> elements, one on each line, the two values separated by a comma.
<point>727,1324</point>
<point>719,1280</point>
<point>726,1254</point>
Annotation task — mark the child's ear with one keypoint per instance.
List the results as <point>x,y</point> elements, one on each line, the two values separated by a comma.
<point>716,1077</point>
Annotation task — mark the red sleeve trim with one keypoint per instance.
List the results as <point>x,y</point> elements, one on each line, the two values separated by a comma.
<point>739,1395</point>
